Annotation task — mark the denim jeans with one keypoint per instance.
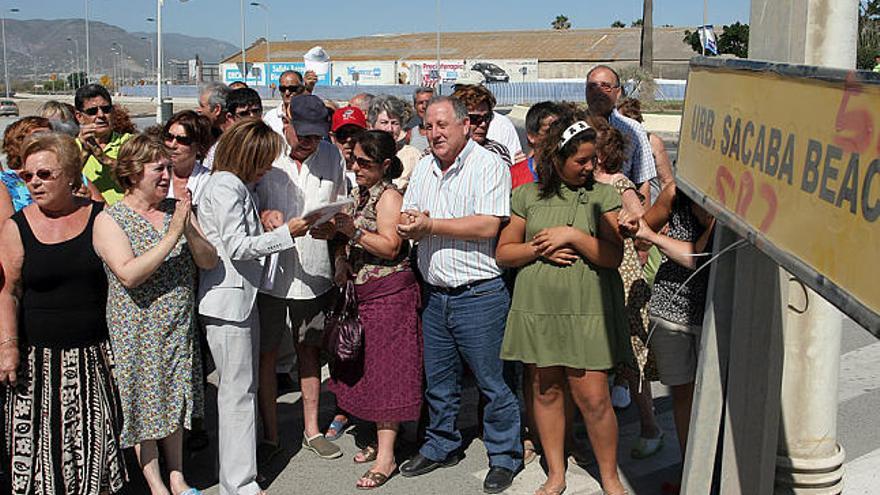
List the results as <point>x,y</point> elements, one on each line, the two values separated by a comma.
<point>469,324</point>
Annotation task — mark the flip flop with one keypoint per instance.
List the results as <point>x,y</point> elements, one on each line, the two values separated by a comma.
<point>191,491</point>
<point>529,452</point>
<point>646,447</point>
<point>376,477</point>
<point>339,427</point>
<point>368,454</point>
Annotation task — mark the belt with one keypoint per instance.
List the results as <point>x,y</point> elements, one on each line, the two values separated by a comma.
<point>461,288</point>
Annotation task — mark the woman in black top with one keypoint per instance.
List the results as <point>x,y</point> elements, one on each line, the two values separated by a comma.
<point>62,413</point>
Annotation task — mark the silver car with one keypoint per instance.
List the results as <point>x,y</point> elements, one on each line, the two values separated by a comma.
<point>8,107</point>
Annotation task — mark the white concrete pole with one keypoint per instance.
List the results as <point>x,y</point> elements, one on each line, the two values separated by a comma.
<point>159,119</point>
<point>809,460</point>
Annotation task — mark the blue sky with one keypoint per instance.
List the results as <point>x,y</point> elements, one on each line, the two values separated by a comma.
<point>311,19</point>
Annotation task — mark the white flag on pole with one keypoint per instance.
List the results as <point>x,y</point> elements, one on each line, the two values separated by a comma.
<point>707,39</point>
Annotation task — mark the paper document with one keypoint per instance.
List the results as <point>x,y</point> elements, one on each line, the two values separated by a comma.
<point>267,281</point>
<point>326,212</point>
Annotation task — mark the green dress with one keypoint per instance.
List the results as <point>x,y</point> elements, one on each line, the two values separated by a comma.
<point>571,316</point>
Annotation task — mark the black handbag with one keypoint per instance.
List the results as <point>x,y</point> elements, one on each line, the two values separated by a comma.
<point>343,333</point>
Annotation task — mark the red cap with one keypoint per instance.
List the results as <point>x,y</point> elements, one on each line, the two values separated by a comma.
<point>348,115</point>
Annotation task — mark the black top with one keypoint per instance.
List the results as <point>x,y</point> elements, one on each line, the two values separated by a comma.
<point>64,297</point>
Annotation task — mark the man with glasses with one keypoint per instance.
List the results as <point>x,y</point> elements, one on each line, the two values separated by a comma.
<point>98,140</point>
<point>243,103</point>
<point>603,91</point>
<point>480,103</point>
<point>348,122</point>
<point>310,175</point>
<point>290,84</point>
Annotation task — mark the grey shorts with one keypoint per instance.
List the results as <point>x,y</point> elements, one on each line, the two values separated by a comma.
<point>303,317</point>
<point>675,349</point>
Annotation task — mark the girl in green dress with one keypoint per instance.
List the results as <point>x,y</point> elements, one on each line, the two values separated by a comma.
<point>567,322</point>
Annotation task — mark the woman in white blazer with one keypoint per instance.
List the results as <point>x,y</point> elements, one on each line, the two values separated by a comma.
<point>228,215</point>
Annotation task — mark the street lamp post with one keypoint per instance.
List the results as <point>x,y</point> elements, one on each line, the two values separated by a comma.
<point>121,62</point>
<point>5,64</point>
<point>88,62</point>
<point>76,46</point>
<point>148,61</point>
<point>268,45</point>
<point>244,70</point>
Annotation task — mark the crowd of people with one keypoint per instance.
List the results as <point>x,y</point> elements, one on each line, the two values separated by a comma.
<point>132,259</point>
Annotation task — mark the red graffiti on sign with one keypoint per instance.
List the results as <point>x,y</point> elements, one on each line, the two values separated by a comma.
<point>726,185</point>
<point>855,127</point>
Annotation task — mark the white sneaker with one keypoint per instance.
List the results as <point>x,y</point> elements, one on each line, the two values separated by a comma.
<point>620,397</point>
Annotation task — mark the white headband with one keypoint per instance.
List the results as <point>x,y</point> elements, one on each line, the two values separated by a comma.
<point>572,131</point>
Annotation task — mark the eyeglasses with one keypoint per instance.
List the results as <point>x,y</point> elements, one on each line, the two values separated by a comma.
<point>364,162</point>
<point>255,112</point>
<point>343,135</point>
<point>604,86</point>
<point>92,111</point>
<point>295,89</point>
<point>478,119</point>
<point>184,140</point>
<point>42,174</point>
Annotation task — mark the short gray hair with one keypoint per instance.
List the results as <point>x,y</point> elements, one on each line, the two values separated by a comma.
<point>458,107</point>
<point>217,93</point>
<point>422,90</point>
<point>391,105</point>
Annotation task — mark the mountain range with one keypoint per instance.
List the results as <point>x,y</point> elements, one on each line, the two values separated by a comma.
<point>42,47</point>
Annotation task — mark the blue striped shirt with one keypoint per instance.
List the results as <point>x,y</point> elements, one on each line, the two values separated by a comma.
<point>478,183</point>
<point>639,166</point>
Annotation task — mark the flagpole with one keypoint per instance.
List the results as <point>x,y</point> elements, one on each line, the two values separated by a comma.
<point>705,21</point>
<point>159,118</point>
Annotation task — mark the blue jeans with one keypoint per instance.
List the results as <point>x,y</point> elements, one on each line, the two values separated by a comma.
<point>469,324</point>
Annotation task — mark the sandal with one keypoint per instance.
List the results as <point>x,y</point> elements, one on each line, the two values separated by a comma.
<point>529,452</point>
<point>338,428</point>
<point>646,447</point>
<point>368,454</point>
<point>376,477</point>
<point>543,490</point>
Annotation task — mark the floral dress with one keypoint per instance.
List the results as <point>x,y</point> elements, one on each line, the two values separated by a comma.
<point>152,331</point>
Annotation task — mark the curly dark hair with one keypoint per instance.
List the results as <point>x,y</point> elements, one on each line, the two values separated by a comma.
<point>473,95</point>
<point>551,158</point>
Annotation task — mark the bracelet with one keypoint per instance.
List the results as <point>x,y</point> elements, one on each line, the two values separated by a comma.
<point>356,236</point>
<point>6,341</point>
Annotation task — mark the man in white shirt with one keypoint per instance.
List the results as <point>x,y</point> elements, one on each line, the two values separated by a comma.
<point>290,84</point>
<point>457,199</point>
<point>299,289</point>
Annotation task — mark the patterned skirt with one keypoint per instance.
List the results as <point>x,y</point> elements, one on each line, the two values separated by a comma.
<point>62,423</point>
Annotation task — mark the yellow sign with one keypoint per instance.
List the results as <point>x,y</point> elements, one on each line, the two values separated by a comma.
<point>797,159</point>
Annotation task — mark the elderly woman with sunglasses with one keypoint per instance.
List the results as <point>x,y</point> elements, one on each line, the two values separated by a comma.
<point>151,247</point>
<point>480,103</point>
<point>62,415</point>
<point>188,135</point>
<point>385,386</point>
<point>98,139</point>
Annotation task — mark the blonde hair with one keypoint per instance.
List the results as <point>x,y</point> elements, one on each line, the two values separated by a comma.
<point>134,154</point>
<point>247,148</point>
<point>65,149</point>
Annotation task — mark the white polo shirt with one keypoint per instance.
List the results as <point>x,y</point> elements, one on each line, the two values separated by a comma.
<point>273,119</point>
<point>306,271</point>
<point>478,183</point>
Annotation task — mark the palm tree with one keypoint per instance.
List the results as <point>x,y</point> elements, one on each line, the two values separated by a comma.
<point>646,54</point>
<point>561,23</point>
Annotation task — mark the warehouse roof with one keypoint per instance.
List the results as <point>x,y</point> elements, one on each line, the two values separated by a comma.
<point>574,45</point>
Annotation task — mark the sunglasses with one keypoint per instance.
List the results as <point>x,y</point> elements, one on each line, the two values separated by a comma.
<point>344,135</point>
<point>364,162</point>
<point>478,119</point>
<point>295,89</point>
<point>183,140</point>
<point>255,112</point>
<point>604,86</point>
<point>91,112</point>
<point>42,174</point>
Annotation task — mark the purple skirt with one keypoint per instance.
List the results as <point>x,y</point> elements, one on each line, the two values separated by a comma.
<point>385,384</point>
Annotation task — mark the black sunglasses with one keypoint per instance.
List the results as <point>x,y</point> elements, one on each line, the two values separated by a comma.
<point>184,140</point>
<point>365,162</point>
<point>479,119</point>
<point>344,134</point>
<point>91,112</point>
<point>295,89</point>
<point>256,112</point>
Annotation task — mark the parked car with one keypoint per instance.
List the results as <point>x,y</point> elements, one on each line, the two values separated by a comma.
<point>491,72</point>
<point>8,107</point>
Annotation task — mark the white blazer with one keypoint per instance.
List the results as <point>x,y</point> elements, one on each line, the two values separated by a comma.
<point>228,215</point>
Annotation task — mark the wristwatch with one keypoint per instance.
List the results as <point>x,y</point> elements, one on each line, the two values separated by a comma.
<point>358,233</point>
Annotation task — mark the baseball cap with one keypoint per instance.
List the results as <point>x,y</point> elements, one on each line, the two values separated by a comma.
<point>348,116</point>
<point>308,115</point>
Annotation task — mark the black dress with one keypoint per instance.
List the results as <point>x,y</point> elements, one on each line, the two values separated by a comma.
<point>63,417</point>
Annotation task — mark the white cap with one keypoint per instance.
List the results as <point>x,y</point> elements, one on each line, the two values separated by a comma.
<point>470,77</point>
<point>318,60</point>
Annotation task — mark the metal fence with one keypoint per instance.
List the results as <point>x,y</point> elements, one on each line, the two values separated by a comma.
<point>506,94</point>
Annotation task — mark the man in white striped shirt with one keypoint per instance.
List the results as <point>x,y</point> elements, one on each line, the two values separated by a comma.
<point>457,199</point>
